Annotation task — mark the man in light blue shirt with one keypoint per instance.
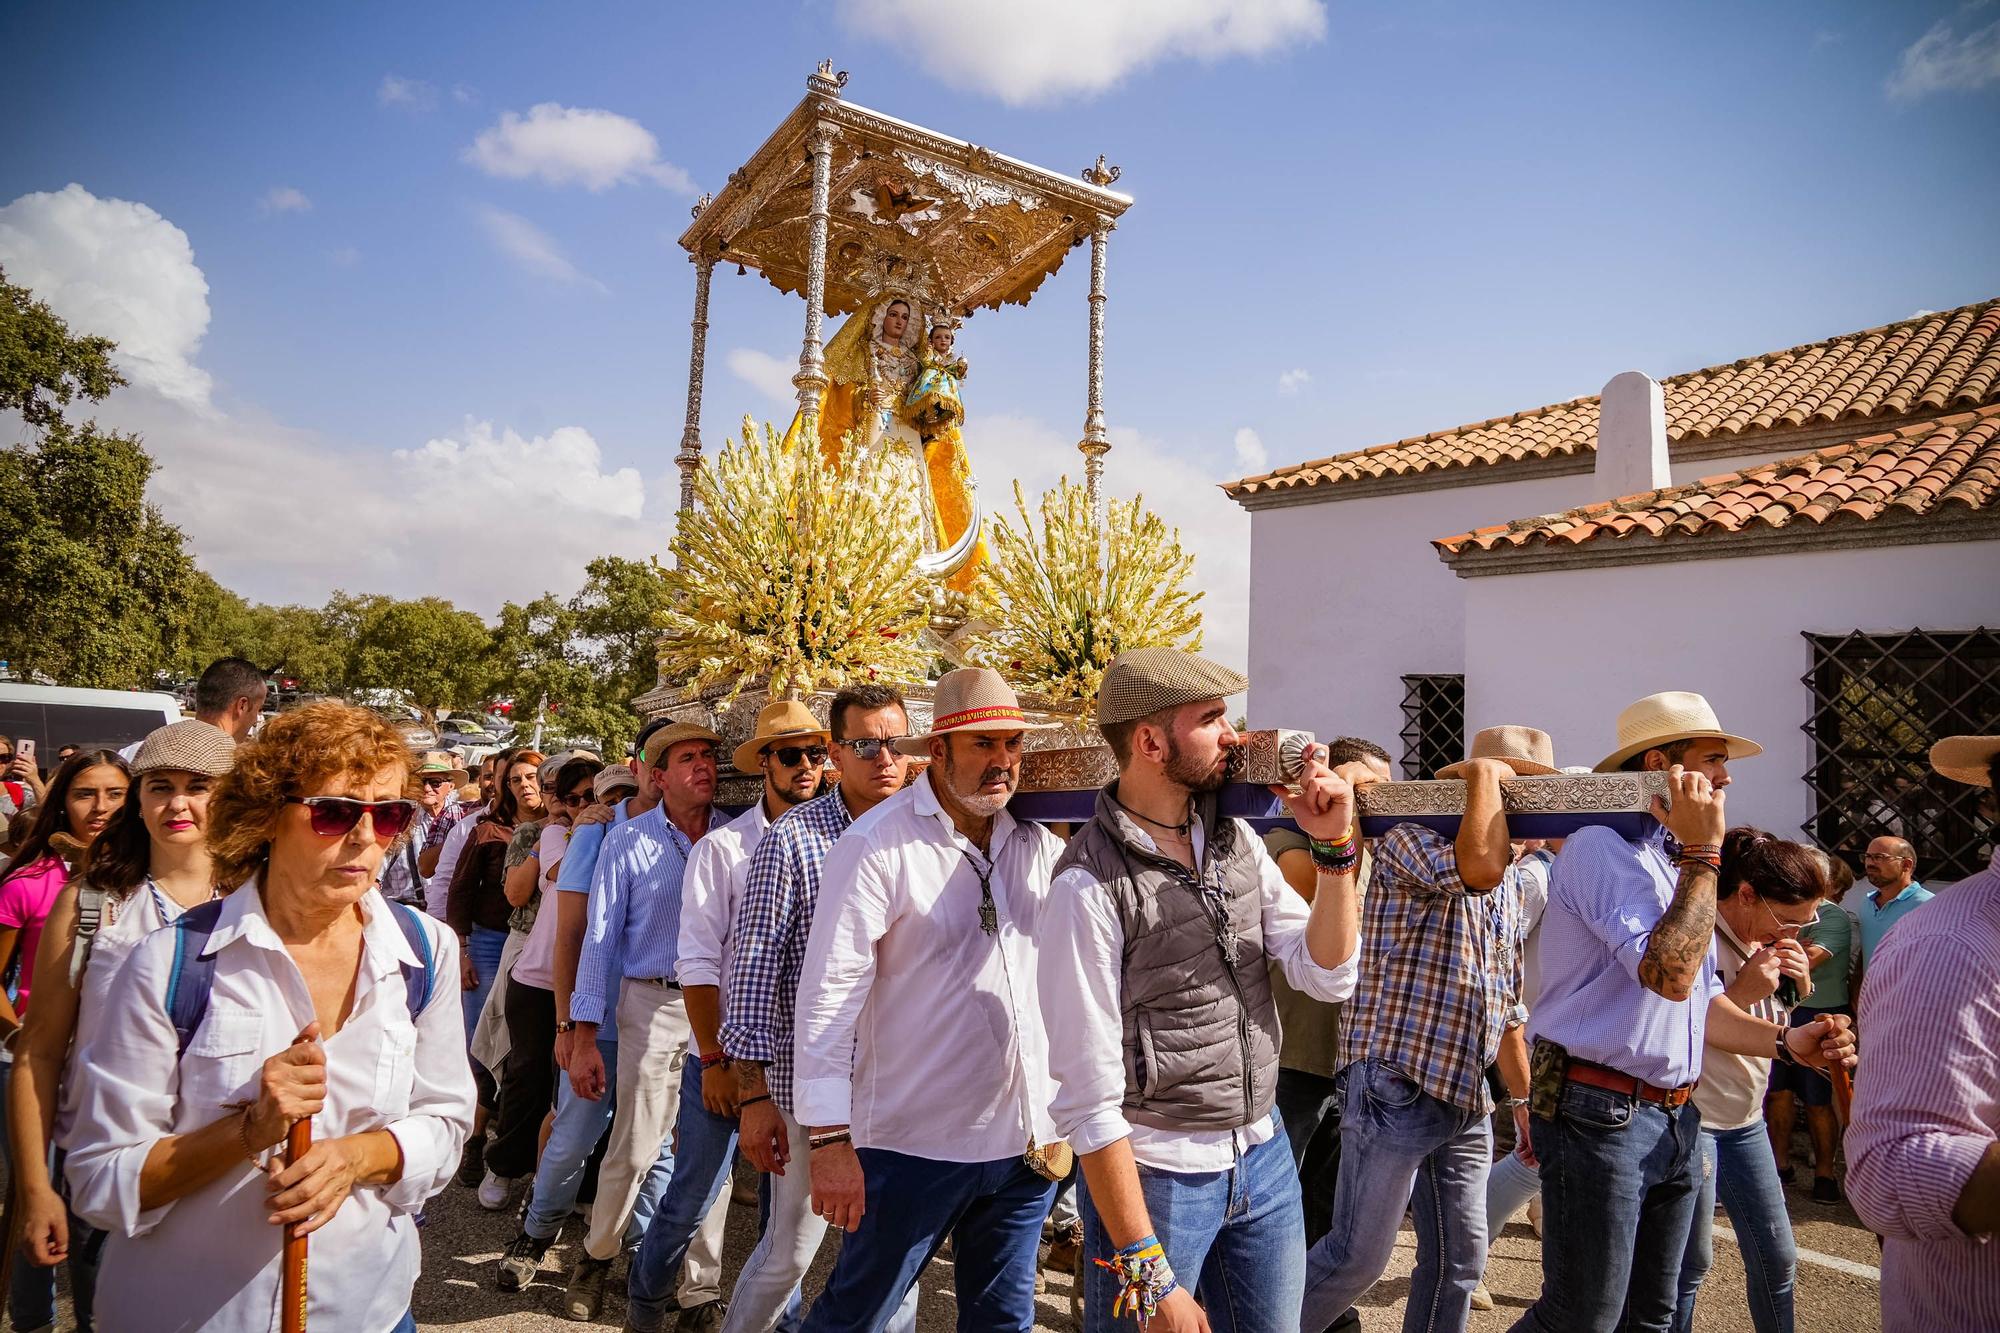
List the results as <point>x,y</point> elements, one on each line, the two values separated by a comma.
<point>1891,867</point>
<point>1629,996</point>
<point>626,979</point>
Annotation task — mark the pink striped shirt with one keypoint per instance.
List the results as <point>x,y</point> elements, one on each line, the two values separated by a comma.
<point>1927,1107</point>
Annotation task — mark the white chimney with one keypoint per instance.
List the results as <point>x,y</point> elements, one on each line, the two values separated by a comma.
<point>1631,437</point>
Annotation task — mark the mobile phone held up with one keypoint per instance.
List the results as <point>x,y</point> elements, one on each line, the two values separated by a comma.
<point>25,750</point>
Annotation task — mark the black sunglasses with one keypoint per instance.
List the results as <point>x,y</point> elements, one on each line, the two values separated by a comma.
<point>790,755</point>
<point>581,796</point>
<point>868,747</point>
<point>438,780</point>
<point>336,816</point>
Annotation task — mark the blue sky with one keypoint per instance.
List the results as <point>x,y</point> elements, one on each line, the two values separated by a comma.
<point>1353,222</point>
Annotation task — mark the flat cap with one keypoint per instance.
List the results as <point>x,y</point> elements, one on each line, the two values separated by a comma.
<point>187,746</point>
<point>1141,681</point>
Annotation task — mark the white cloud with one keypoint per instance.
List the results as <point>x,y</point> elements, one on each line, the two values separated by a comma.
<point>532,248</point>
<point>1294,380</point>
<point>1046,50</point>
<point>464,94</point>
<point>409,94</point>
<point>562,145</point>
<point>560,471</point>
<point>1941,61</point>
<point>1251,458</point>
<point>1182,493</point>
<point>115,268</point>
<point>763,372</point>
<point>283,199</point>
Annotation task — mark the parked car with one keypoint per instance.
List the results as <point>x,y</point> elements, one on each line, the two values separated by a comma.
<point>56,715</point>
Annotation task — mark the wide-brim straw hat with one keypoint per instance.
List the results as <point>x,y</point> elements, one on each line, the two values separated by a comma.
<point>187,746</point>
<point>1142,681</point>
<point>1661,719</point>
<point>445,762</point>
<point>782,720</point>
<point>667,737</point>
<point>1526,750</point>
<point>1961,758</point>
<point>971,699</point>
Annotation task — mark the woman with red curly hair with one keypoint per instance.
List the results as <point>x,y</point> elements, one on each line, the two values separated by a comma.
<point>304,994</point>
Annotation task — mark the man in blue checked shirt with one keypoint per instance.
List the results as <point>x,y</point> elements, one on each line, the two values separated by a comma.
<point>769,948</point>
<point>1440,975</point>
<point>626,979</point>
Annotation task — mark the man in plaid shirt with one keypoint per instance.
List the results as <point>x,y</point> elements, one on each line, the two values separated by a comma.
<point>769,949</point>
<point>1441,938</point>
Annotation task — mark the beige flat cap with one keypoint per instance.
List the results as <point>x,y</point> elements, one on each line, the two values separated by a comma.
<point>1141,681</point>
<point>187,746</point>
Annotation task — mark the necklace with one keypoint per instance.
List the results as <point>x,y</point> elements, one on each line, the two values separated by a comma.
<point>1181,830</point>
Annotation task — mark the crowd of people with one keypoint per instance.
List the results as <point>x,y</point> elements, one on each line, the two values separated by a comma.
<point>1211,1071</point>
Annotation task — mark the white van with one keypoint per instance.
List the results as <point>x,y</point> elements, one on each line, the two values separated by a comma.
<point>56,716</point>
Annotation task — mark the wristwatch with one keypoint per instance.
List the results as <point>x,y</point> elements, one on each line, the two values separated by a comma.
<point>565,1025</point>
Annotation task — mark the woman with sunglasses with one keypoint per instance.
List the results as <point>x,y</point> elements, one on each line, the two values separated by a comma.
<point>476,908</point>
<point>1767,891</point>
<point>76,806</point>
<point>304,994</point>
<point>148,865</point>
<point>527,996</point>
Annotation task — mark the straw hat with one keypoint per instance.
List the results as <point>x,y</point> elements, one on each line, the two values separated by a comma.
<point>187,746</point>
<point>667,737</point>
<point>1960,758</point>
<point>786,719</point>
<point>1662,719</point>
<point>442,761</point>
<point>610,778</point>
<point>1530,753</point>
<point>971,699</point>
<point>1142,681</point>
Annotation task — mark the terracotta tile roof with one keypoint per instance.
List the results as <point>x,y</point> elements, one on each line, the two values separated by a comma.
<point>1929,364</point>
<point>1917,471</point>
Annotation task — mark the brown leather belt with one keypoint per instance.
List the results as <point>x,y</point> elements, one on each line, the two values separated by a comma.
<point>1611,1080</point>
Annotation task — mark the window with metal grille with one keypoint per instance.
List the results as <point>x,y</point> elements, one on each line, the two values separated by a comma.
<point>1433,724</point>
<point>1879,703</point>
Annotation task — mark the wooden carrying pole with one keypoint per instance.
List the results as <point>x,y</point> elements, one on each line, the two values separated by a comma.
<point>1843,1094</point>
<point>292,1296</point>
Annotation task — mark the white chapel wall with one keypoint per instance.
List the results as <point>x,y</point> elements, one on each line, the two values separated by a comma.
<point>1566,650</point>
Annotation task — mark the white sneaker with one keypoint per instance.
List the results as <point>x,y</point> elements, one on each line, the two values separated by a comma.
<point>493,1192</point>
<point>1482,1299</point>
<point>1535,1215</point>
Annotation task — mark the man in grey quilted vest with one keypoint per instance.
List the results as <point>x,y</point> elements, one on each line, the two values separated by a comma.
<point>1156,945</point>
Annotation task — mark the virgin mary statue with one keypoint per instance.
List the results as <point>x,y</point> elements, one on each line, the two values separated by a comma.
<point>870,363</point>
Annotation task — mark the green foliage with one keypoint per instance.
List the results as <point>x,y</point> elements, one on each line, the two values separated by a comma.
<point>576,666</point>
<point>438,655</point>
<point>43,366</point>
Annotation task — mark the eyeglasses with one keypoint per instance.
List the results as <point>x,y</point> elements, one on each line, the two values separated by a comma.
<point>869,747</point>
<point>336,816</point>
<point>1790,928</point>
<point>790,755</point>
<point>581,796</point>
<point>435,780</point>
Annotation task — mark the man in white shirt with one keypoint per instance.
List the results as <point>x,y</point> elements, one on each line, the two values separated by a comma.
<point>922,1069</point>
<point>1164,921</point>
<point>789,749</point>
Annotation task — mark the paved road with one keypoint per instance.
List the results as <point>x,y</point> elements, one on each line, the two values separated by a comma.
<point>462,1242</point>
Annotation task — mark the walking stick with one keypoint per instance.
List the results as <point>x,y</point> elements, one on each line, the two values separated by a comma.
<point>292,1299</point>
<point>1843,1094</point>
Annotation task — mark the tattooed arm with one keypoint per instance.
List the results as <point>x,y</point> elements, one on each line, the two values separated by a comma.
<point>1678,947</point>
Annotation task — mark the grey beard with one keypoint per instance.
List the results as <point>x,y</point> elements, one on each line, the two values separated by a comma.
<point>985,806</point>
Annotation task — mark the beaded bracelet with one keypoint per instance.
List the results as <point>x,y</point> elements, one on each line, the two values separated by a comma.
<point>1335,857</point>
<point>1144,1279</point>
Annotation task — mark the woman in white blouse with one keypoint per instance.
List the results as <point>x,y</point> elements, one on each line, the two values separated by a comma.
<point>325,1001</point>
<point>149,865</point>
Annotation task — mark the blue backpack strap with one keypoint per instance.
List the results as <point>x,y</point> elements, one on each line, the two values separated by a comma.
<point>193,972</point>
<point>417,981</point>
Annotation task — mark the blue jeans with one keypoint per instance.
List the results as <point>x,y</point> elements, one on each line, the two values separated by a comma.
<point>1402,1148</point>
<point>993,1213</point>
<point>1619,1181</point>
<point>1741,1171</point>
<point>580,1123</point>
<point>1235,1238</point>
<point>31,1296</point>
<point>703,1146</point>
<point>484,950</point>
<point>1510,1183</point>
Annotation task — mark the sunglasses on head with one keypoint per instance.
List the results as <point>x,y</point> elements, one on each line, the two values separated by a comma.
<point>336,816</point>
<point>790,755</point>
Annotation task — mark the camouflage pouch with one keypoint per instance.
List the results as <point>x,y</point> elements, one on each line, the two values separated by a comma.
<point>1548,1070</point>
